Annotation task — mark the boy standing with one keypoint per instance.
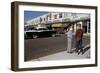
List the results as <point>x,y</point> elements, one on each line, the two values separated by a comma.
<point>69,39</point>
<point>78,37</point>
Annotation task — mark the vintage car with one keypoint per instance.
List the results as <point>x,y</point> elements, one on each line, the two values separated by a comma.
<point>39,32</point>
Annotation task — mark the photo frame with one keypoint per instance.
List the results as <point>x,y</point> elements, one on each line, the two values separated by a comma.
<point>32,54</point>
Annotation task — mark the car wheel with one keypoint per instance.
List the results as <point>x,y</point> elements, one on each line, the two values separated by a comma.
<point>34,36</point>
<point>25,36</point>
<point>53,35</point>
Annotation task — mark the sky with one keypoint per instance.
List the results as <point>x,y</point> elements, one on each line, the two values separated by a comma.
<point>28,15</point>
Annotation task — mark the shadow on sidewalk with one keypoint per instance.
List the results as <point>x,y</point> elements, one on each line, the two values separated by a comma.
<point>86,48</point>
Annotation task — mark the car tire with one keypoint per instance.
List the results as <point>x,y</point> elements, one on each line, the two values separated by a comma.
<point>53,35</point>
<point>35,36</point>
<point>25,36</point>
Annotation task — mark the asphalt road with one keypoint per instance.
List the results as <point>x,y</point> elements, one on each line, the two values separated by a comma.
<point>35,48</point>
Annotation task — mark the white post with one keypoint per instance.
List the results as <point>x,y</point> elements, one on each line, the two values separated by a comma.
<point>81,25</point>
<point>87,26</point>
<point>75,27</point>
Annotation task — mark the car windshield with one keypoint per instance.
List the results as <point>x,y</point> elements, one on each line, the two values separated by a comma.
<point>32,28</point>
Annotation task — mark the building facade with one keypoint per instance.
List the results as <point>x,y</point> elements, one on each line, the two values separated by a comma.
<point>61,20</point>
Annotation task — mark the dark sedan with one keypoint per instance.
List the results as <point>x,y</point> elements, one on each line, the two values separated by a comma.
<point>39,32</point>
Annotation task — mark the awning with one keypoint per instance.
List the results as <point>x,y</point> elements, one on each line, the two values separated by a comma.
<point>59,25</point>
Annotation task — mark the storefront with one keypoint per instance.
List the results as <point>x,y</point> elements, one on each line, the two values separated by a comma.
<point>59,27</point>
<point>85,25</point>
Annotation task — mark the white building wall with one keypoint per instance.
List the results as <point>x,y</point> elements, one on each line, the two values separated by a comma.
<point>71,16</point>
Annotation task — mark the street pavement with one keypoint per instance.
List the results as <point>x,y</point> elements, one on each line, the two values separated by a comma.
<point>64,56</point>
<point>52,48</point>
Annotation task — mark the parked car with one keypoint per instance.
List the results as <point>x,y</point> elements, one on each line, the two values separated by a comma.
<point>39,32</point>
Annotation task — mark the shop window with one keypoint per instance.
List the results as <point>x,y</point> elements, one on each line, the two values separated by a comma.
<point>60,15</point>
<point>44,19</point>
<point>55,16</point>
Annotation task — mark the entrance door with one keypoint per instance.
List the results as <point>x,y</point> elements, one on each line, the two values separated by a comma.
<point>84,29</point>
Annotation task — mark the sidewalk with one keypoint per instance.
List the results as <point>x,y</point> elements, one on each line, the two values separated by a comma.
<point>65,56</point>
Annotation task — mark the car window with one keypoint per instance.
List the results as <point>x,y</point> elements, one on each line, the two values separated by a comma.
<point>31,28</point>
<point>42,29</point>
